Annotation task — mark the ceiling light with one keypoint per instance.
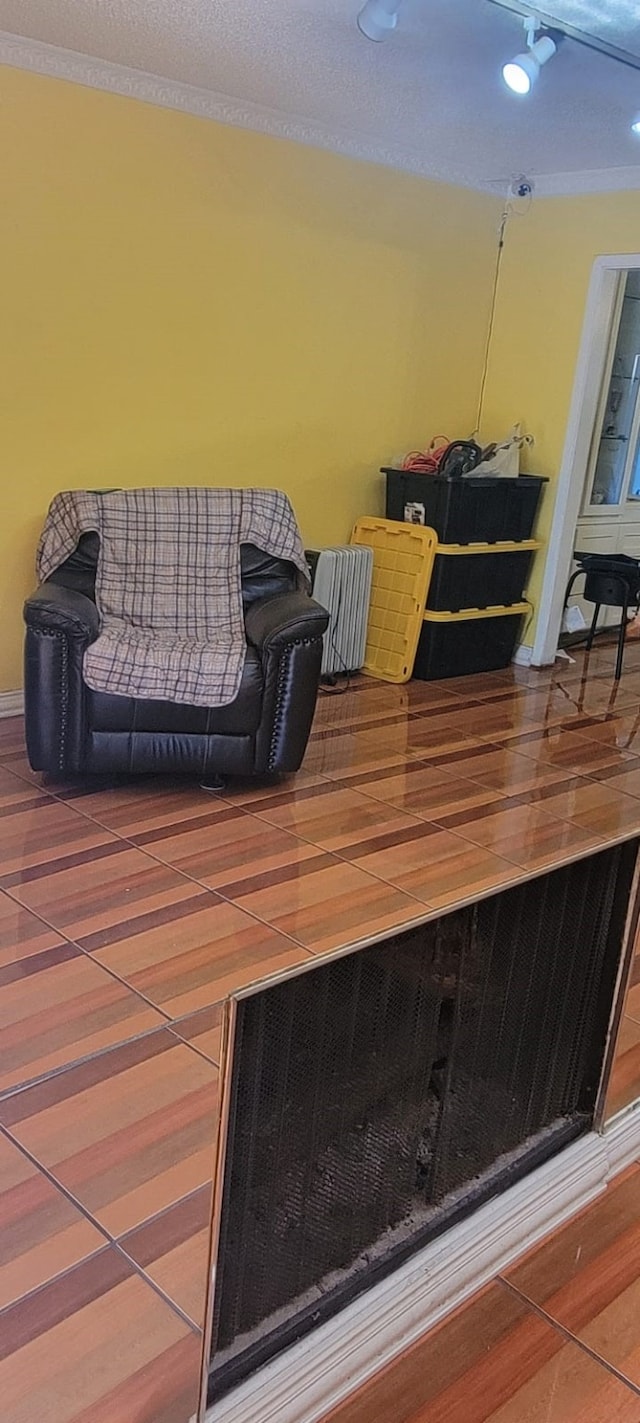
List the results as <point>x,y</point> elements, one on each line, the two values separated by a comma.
<point>635,126</point>
<point>378,18</point>
<point>521,73</point>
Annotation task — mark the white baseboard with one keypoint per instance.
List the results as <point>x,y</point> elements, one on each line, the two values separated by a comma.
<point>319,1372</point>
<point>622,1140</point>
<point>11,704</point>
<point>522,655</point>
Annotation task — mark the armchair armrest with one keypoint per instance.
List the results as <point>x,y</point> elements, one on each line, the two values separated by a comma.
<point>287,632</point>
<point>272,623</point>
<point>60,625</point>
<point>54,608</point>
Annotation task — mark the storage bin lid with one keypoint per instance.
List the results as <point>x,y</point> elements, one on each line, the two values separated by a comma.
<point>476,481</point>
<point>403,556</point>
<point>460,550</point>
<point>504,611</point>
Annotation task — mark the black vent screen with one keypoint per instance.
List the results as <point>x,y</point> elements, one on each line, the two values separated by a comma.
<point>378,1097</point>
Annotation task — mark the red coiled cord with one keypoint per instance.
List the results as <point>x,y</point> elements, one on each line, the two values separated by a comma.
<point>427,461</point>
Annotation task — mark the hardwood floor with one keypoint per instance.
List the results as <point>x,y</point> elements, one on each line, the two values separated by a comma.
<point>130,911</point>
<point>494,1361</point>
<point>555,1341</point>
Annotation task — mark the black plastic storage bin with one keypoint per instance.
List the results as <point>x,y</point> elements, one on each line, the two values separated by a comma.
<point>494,575</point>
<point>455,646</point>
<point>482,509</point>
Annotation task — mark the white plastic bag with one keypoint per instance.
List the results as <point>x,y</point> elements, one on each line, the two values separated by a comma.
<point>573,619</point>
<point>505,458</point>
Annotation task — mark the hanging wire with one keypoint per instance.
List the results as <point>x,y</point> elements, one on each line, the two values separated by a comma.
<point>509,209</point>
<point>492,315</point>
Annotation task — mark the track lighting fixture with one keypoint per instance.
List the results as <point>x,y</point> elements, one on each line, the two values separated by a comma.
<point>520,74</point>
<point>378,18</point>
<point>544,35</point>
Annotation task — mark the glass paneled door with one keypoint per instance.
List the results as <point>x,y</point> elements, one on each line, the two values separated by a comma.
<point>613,477</point>
<point>610,517</point>
<point>633,461</point>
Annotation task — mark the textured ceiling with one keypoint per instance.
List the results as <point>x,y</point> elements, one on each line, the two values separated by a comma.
<point>430,97</point>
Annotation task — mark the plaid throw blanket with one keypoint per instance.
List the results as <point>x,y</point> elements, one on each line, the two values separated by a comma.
<point>168,585</point>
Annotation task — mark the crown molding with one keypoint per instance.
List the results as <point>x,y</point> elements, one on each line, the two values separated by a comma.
<point>570,185</point>
<point>92,73</point>
<point>594,180</point>
<point>75,68</point>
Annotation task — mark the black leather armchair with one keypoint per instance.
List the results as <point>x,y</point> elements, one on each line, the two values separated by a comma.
<point>73,730</point>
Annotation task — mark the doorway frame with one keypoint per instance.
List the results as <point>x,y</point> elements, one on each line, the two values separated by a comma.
<point>592,355</point>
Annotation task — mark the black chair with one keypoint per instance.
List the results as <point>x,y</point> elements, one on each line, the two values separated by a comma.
<point>72,730</point>
<point>611,581</point>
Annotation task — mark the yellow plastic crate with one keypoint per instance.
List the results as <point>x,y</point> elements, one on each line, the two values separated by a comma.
<point>403,556</point>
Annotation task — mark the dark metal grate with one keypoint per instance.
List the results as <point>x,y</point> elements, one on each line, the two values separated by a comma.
<point>371,1092</point>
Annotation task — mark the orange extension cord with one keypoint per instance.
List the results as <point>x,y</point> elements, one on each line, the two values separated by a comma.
<point>427,461</point>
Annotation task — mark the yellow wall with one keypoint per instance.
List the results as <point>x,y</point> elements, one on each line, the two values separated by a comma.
<point>547,262</point>
<point>189,303</point>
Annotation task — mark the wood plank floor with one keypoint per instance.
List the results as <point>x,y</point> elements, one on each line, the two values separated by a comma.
<point>129,911</point>
<point>555,1340</point>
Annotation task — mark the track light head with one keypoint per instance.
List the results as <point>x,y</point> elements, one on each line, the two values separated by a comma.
<point>378,18</point>
<point>520,74</point>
